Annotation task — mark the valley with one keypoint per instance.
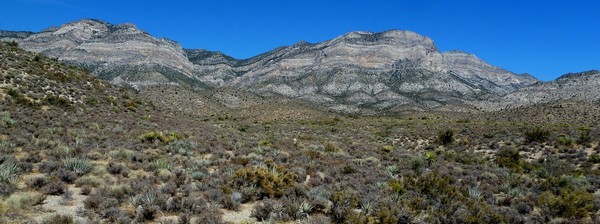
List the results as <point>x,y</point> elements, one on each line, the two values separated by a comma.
<point>363,128</point>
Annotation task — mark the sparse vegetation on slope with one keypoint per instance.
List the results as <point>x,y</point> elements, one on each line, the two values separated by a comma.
<point>117,158</point>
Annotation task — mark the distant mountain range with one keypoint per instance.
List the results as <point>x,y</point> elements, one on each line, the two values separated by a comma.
<point>358,71</point>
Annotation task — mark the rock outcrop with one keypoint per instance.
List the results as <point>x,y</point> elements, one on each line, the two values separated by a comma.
<point>354,72</point>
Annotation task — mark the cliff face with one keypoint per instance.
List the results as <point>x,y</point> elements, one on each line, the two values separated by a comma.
<point>374,70</point>
<point>118,53</point>
<point>356,71</point>
<point>582,86</point>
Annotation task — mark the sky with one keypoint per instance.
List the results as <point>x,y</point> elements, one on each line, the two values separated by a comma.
<point>543,38</point>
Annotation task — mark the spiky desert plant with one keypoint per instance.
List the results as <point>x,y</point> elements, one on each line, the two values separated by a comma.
<point>475,193</point>
<point>429,157</point>
<point>6,119</point>
<point>77,165</point>
<point>161,164</point>
<point>392,170</point>
<point>367,207</point>
<point>9,173</point>
<point>304,210</point>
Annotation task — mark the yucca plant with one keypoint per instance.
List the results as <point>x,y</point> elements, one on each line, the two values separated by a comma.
<point>9,173</point>
<point>6,120</point>
<point>77,165</point>
<point>161,164</point>
<point>135,201</point>
<point>392,170</point>
<point>366,207</point>
<point>475,193</point>
<point>304,210</point>
<point>63,149</point>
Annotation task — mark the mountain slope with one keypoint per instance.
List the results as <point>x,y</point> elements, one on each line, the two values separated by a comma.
<point>582,86</point>
<point>375,70</point>
<point>121,54</point>
<point>355,72</point>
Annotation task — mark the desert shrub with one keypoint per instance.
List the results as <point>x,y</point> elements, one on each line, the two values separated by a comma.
<point>24,200</point>
<point>14,93</point>
<point>386,148</point>
<point>93,201</point>
<point>437,188</point>
<point>54,188</point>
<point>146,213</point>
<point>445,137</point>
<point>66,176</point>
<point>317,219</point>
<point>182,147</point>
<point>86,190</point>
<point>48,167</point>
<point>568,203</point>
<point>509,158</point>
<point>417,163</point>
<point>272,182</point>
<point>59,219</point>
<point>565,140</point>
<point>584,135</point>
<point>331,147</point>
<point>58,101</point>
<point>153,136</point>
<point>6,120</point>
<point>209,215</point>
<point>114,168</point>
<point>397,187</point>
<point>341,205</point>
<point>93,181</point>
<point>267,211</point>
<point>536,134</point>
<point>390,212</point>
<point>594,158</point>
<point>37,182</point>
<point>232,201</point>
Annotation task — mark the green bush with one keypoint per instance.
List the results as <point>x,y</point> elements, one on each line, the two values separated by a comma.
<point>13,93</point>
<point>6,119</point>
<point>24,200</point>
<point>565,140</point>
<point>536,134</point>
<point>568,203</point>
<point>58,101</point>
<point>509,158</point>
<point>594,158</point>
<point>584,135</point>
<point>182,147</point>
<point>331,147</point>
<point>445,137</point>
<point>59,219</point>
<point>272,182</point>
<point>152,136</point>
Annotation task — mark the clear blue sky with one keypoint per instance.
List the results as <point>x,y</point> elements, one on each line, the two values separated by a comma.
<point>544,38</point>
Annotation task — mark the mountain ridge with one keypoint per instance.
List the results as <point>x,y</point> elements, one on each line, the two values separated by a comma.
<point>355,72</point>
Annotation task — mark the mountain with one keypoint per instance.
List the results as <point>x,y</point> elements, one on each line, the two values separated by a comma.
<point>372,70</point>
<point>118,53</point>
<point>582,86</point>
<point>358,71</point>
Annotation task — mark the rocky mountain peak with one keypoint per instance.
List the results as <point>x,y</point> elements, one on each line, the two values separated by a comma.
<point>397,38</point>
<point>575,75</point>
<point>377,70</point>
